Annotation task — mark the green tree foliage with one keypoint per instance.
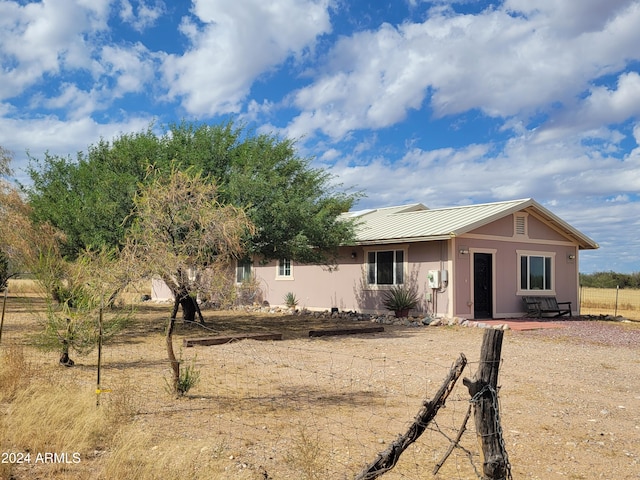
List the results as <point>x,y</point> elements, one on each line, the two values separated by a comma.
<point>294,206</point>
<point>74,291</point>
<point>610,280</point>
<point>90,198</point>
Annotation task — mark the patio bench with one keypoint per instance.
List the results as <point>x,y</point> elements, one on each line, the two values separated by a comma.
<point>539,306</point>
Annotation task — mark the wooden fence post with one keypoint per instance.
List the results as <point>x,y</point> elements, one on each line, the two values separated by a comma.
<point>483,389</point>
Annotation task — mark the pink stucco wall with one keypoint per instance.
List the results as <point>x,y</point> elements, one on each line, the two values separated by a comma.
<point>507,299</point>
<point>345,287</point>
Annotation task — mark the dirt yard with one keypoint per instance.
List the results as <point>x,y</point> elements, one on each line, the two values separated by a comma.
<point>305,408</point>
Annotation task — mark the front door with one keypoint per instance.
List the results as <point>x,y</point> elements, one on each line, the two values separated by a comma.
<point>482,285</point>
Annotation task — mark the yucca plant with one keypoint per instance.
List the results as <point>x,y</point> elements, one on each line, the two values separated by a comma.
<point>290,300</point>
<point>400,299</point>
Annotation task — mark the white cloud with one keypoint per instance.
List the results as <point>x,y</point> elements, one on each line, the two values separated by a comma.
<point>569,16</point>
<point>497,62</point>
<point>143,16</point>
<point>76,103</point>
<point>602,106</point>
<point>44,38</point>
<point>59,137</point>
<point>132,67</point>
<point>239,42</point>
<point>613,106</point>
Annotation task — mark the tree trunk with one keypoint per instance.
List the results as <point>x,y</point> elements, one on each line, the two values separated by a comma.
<point>173,361</point>
<point>190,308</point>
<point>64,355</point>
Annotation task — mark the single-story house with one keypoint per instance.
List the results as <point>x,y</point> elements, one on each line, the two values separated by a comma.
<point>474,261</point>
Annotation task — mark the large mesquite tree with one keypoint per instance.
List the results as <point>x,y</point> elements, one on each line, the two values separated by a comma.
<point>294,206</point>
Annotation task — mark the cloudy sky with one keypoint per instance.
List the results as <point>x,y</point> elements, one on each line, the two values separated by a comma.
<point>441,102</point>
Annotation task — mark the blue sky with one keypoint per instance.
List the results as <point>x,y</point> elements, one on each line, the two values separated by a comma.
<point>444,103</point>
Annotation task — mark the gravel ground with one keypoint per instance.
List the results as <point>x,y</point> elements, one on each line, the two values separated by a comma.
<point>614,334</point>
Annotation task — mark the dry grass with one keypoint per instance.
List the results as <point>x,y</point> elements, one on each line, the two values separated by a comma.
<point>23,286</point>
<point>609,301</point>
<point>56,417</point>
<point>15,371</point>
<point>139,455</point>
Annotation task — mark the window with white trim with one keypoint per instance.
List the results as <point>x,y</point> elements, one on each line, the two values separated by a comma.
<point>244,270</point>
<point>385,267</point>
<point>536,272</point>
<point>284,268</point>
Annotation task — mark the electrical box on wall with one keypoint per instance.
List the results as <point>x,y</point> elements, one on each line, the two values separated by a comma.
<point>434,279</point>
<point>437,278</point>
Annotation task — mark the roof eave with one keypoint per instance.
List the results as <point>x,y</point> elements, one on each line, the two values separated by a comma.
<point>387,241</point>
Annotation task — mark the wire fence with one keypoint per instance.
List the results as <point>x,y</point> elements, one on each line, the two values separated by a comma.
<point>610,301</point>
<point>297,409</point>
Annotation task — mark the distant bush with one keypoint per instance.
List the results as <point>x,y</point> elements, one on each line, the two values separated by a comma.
<point>610,280</point>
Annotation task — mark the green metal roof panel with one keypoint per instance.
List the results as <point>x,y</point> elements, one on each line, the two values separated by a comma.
<point>417,223</point>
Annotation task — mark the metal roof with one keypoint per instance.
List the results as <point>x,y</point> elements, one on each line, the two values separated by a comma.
<point>416,222</point>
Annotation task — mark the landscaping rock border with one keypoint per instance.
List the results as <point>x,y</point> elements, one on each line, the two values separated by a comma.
<point>412,321</point>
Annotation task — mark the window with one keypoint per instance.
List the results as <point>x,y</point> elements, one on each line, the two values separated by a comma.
<point>243,270</point>
<point>385,267</point>
<point>284,268</point>
<point>536,272</point>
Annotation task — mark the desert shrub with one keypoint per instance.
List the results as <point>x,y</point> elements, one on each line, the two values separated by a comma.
<point>249,291</point>
<point>400,298</point>
<point>188,378</point>
<point>123,402</point>
<point>305,456</point>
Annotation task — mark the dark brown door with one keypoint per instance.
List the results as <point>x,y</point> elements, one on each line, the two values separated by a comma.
<point>482,282</point>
